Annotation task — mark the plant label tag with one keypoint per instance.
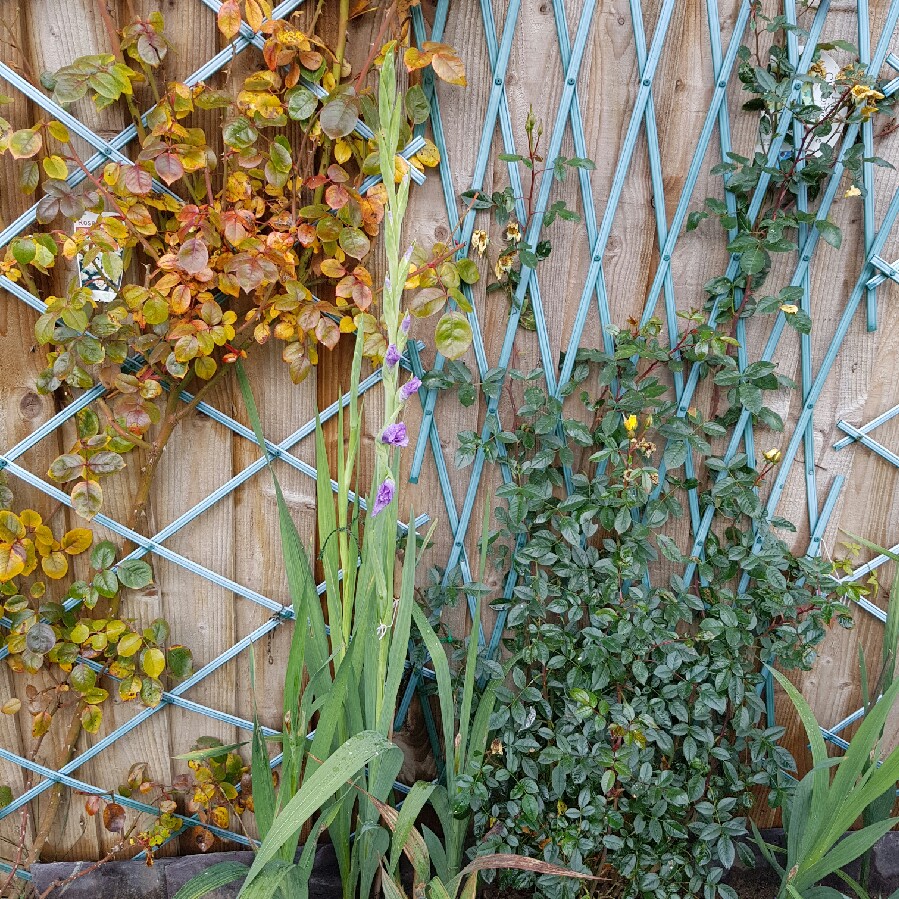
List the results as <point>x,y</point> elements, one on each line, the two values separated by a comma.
<point>101,276</point>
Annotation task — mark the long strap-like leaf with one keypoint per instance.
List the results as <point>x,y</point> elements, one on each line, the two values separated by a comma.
<point>340,767</point>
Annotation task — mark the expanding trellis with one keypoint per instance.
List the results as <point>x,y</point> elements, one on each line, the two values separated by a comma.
<point>598,228</point>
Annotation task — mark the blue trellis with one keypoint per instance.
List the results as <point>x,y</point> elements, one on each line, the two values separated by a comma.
<point>568,119</point>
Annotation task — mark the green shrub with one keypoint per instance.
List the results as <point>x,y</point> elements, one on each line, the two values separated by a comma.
<point>631,733</point>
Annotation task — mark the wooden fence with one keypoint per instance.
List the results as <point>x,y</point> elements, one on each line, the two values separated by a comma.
<point>518,57</point>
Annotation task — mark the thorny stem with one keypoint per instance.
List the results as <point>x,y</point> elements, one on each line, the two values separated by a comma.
<point>48,818</point>
<point>23,826</point>
<point>64,882</point>
<point>124,434</point>
<point>138,515</point>
<point>171,418</point>
<point>343,22</point>
<point>375,47</point>
<point>111,30</point>
<point>116,46</point>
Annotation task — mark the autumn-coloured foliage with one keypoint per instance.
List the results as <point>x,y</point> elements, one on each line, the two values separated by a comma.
<point>247,212</point>
<point>211,241</point>
<point>52,625</point>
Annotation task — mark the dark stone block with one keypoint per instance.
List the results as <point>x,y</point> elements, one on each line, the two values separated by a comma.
<point>134,880</point>
<point>124,880</point>
<point>885,865</point>
<point>180,870</point>
<point>324,882</point>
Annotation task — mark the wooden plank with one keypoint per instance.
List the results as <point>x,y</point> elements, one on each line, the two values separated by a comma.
<point>23,410</point>
<point>239,537</point>
<point>54,43</point>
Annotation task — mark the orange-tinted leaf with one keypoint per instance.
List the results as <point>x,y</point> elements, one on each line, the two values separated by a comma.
<point>137,180</point>
<point>181,299</point>
<point>220,817</point>
<point>12,561</point>
<point>415,59</point>
<point>327,332</point>
<point>114,817</point>
<point>331,268</point>
<point>169,167</point>
<point>445,62</point>
<point>193,257</point>
<point>255,14</point>
<point>229,19</point>
<point>337,196</point>
<point>92,805</point>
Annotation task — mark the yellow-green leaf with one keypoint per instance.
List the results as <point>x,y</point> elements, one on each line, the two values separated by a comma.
<point>153,662</point>
<point>77,541</point>
<point>58,131</point>
<point>130,644</point>
<point>91,718</point>
<point>25,143</point>
<point>11,527</point>
<point>79,633</point>
<point>55,167</point>
<point>55,565</point>
<point>453,335</point>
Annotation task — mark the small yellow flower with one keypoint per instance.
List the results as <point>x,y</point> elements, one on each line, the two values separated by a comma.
<point>853,192</point>
<point>789,308</point>
<point>867,111</point>
<point>772,455</point>
<point>513,232</point>
<point>479,241</point>
<point>496,747</point>
<point>630,424</point>
<point>503,265</point>
<point>863,92</point>
<point>818,69</point>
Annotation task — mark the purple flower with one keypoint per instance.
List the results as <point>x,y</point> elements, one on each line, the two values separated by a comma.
<point>410,388</point>
<point>383,497</point>
<point>406,324</point>
<point>392,356</point>
<point>395,435</point>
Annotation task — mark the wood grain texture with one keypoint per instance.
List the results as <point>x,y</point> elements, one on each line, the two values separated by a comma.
<point>23,409</point>
<point>239,537</point>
